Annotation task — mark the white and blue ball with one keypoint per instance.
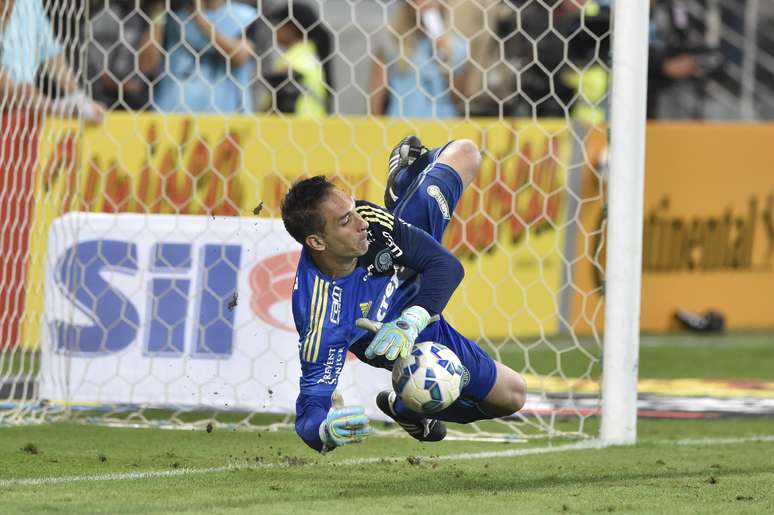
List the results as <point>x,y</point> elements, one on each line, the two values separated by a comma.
<point>429,379</point>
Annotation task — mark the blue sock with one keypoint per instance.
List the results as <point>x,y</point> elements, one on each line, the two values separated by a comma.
<point>463,411</point>
<point>403,412</point>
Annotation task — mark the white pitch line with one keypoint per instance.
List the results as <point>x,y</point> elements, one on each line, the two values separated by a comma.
<point>511,453</point>
<point>721,441</point>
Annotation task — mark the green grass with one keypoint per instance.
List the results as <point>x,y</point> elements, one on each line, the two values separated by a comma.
<point>274,472</point>
<point>748,355</point>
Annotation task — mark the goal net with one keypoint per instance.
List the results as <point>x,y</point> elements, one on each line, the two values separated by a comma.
<point>146,276</point>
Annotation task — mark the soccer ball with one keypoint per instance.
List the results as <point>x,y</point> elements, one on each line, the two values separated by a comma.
<point>429,379</point>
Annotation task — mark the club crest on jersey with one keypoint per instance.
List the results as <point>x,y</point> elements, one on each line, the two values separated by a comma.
<point>383,261</point>
<point>435,192</point>
<point>335,304</point>
<point>365,307</point>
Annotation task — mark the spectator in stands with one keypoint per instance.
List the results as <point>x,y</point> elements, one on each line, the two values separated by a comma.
<point>204,55</point>
<point>419,64</point>
<point>487,82</point>
<point>677,55</point>
<point>586,63</point>
<point>27,47</point>
<point>118,30</point>
<point>300,81</point>
<point>557,54</point>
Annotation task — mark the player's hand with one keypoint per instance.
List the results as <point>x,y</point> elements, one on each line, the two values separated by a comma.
<point>343,426</point>
<point>395,338</point>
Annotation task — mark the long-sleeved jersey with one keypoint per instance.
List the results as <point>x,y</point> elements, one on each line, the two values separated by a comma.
<point>404,266</point>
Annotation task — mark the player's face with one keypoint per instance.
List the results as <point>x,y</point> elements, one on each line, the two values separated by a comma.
<point>346,233</point>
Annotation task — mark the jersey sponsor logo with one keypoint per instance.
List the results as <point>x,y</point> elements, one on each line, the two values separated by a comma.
<point>335,304</point>
<point>384,305</point>
<point>365,307</point>
<point>334,363</point>
<point>391,245</point>
<point>435,192</point>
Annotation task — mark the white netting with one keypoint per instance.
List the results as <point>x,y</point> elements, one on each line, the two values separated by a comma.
<point>143,278</point>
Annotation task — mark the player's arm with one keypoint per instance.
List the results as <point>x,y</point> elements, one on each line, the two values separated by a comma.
<point>322,351</point>
<point>440,271</point>
<point>413,248</point>
<point>321,426</point>
<point>324,428</point>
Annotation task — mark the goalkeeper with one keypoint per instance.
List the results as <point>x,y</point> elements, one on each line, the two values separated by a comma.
<point>362,264</point>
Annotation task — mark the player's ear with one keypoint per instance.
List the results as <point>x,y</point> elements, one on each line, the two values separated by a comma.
<point>315,242</point>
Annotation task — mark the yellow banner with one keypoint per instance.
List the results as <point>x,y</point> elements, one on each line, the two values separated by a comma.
<point>506,228</point>
<point>708,234</point>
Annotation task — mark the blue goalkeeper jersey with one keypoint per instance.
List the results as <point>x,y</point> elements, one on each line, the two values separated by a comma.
<point>404,266</point>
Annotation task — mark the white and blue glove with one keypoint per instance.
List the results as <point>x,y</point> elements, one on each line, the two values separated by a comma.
<point>395,338</point>
<point>343,426</point>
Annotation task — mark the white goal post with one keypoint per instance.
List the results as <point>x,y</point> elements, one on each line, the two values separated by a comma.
<point>145,276</point>
<point>625,215</point>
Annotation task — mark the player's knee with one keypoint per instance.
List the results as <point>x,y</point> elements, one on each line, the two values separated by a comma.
<point>464,156</point>
<point>518,393</point>
<point>508,395</point>
<point>516,397</point>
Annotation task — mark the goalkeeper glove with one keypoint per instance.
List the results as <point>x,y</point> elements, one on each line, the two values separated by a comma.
<point>395,338</point>
<point>343,426</point>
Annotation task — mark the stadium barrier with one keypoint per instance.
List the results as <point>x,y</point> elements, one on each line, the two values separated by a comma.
<point>18,147</point>
<point>709,225</point>
<point>226,166</point>
<point>709,237</point>
<point>159,310</point>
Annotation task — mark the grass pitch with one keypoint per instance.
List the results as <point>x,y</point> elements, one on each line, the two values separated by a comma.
<point>85,469</point>
<point>697,466</point>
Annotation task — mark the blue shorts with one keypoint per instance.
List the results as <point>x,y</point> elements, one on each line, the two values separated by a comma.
<point>481,368</point>
<point>428,204</point>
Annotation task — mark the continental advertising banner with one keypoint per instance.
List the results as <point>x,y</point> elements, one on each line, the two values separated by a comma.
<point>508,228</point>
<point>177,311</point>
<point>708,238</point>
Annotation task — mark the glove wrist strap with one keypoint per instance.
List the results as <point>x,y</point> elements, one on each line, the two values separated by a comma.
<point>325,437</point>
<point>418,316</point>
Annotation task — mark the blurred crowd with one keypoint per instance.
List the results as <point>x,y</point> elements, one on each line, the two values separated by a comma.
<point>428,58</point>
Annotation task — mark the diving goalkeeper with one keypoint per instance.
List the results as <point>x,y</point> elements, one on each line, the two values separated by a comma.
<point>361,264</point>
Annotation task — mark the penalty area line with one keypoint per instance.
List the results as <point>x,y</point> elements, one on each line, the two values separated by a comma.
<point>510,453</point>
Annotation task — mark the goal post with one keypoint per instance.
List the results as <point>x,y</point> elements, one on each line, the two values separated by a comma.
<point>151,277</point>
<point>625,219</point>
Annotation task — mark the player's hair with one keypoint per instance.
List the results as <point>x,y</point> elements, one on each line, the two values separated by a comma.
<point>300,212</point>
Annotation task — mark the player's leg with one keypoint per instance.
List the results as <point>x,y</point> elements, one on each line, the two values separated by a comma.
<point>508,394</point>
<point>491,389</point>
<point>419,427</point>
<point>464,157</point>
<point>429,201</point>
